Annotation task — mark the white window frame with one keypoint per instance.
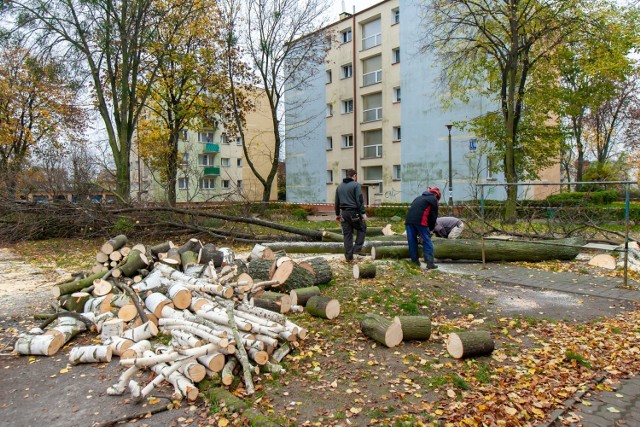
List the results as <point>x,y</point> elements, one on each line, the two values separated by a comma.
<point>206,137</point>
<point>347,141</point>
<point>225,162</point>
<point>395,16</point>
<point>346,35</point>
<point>183,183</point>
<point>224,139</point>
<point>395,55</point>
<point>397,172</point>
<point>347,106</point>
<point>329,143</point>
<point>209,160</point>
<point>329,176</point>
<point>397,94</point>
<point>346,71</point>
<point>329,110</point>
<point>208,183</point>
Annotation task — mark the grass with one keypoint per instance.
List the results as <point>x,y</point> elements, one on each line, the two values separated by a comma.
<point>579,359</point>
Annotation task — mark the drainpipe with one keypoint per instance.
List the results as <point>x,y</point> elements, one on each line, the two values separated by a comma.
<point>355,103</point>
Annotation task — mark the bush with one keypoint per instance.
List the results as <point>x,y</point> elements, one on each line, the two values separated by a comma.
<point>123,226</point>
<point>579,198</point>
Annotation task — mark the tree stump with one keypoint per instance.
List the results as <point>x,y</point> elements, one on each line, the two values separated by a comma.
<point>292,276</point>
<point>302,295</point>
<point>415,328</point>
<point>364,271</point>
<point>470,344</point>
<point>324,307</point>
<point>382,330</point>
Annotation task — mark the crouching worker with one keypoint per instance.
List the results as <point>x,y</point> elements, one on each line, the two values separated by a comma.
<point>448,227</point>
<point>421,219</point>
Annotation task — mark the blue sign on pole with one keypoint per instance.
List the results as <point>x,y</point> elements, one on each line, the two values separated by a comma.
<point>473,144</point>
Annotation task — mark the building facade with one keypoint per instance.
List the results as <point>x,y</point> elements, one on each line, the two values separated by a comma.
<point>213,165</point>
<point>375,105</point>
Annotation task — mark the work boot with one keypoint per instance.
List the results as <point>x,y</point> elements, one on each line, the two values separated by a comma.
<point>430,264</point>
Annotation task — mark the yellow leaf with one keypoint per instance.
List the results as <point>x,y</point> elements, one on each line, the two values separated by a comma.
<point>223,422</point>
<point>153,400</point>
<point>451,393</point>
<point>511,411</point>
<point>355,410</point>
<point>612,409</point>
<point>586,403</point>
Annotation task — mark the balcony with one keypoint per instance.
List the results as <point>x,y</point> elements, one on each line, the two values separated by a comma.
<point>209,170</point>
<point>211,148</point>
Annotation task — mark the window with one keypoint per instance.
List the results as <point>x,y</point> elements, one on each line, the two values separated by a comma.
<point>239,162</point>
<point>238,141</point>
<point>205,137</point>
<point>208,183</point>
<point>329,143</point>
<point>225,162</point>
<point>183,135</point>
<point>239,184</point>
<point>207,160</point>
<point>343,173</point>
<point>224,139</point>
<point>396,172</point>
<point>490,166</point>
<point>372,144</point>
<point>347,106</point>
<point>328,80</point>
<point>184,159</point>
<point>371,34</point>
<point>347,141</point>
<point>329,177</point>
<point>329,110</point>
<point>345,36</point>
<point>372,107</point>
<point>226,183</point>
<point>395,55</point>
<point>397,135</point>
<point>183,183</point>
<point>396,94</point>
<point>372,70</point>
<point>346,71</point>
<point>395,15</point>
<point>372,173</point>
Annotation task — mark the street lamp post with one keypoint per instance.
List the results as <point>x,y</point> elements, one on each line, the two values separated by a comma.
<point>450,174</point>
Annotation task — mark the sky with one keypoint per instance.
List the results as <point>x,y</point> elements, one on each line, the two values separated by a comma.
<point>359,4</point>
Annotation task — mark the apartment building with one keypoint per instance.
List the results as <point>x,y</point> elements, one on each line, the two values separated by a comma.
<point>213,165</point>
<point>375,105</point>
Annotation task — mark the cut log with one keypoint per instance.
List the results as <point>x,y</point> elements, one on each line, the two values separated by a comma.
<point>90,354</point>
<point>39,345</point>
<point>320,269</point>
<point>302,295</point>
<point>161,248</point>
<point>115,256</point>
<point>188,259</point>
<point>259,269</point>
<point>101,287</point>
<point>324,307</point>
<point>155,302</point>
<point>101,257</point>
<point>180,296</point>
<point>209,253</point>
<point>382,330</point>
<point>282,300</point>
<point>415,328</point>
<point>136,350</point>
<point>214,362</point>
<point>227,371</point>
<point>111,328</point>
<point>128,312</point>
<point>142,332</point>
<point>292,276</point>
<point>271,305</point>
<point>603,261</point>
<point>469,344</point>
<point>69,288</point>
<point>76,301</point>
<point>325,247</point>
<point>192,245</point>
<point>261,252</point>
<point>114,244</point>
<point>118,344</point>
<point>135,261</point>
<point>364,271</point>
<point>495,250</point>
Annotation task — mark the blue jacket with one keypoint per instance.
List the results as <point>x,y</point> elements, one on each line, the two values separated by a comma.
<point>423,210</point>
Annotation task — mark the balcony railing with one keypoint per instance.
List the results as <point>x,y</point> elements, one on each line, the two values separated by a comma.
<point>371,151</point>
<point>372,114</point>
<point>211,148</point>
<point>371,41</point>
<point>372,78</point>
<point>211,170</point>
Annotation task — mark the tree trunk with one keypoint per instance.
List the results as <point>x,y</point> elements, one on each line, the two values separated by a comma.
<point>320,268</point>
<point>327,247</point>
<point>114,244</point>
<point>134,262</point>
<point>259,269</point>
<point>69,288</point>
<point>364,271</point>
<point>302,295</point>
<point>382,330</point>
<point>292,276</point>
<point>320,306</point>
<point>209,252</point>
<point>470,344</point>
<point>495,250</point>
<point>415,327</point>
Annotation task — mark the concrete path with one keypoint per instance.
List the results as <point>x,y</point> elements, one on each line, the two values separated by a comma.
<point>620,407</point>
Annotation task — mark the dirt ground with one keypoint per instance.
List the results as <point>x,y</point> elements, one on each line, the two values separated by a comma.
<point>36,391</point>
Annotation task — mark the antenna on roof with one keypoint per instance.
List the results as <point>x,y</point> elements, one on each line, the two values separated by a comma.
<point>344,9</point>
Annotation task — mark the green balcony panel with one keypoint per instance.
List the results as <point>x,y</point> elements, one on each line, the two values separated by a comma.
<point>212,148</point>
<point>211,171</point>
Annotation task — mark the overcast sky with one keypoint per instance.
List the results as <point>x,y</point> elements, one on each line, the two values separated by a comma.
<point>359,4</point>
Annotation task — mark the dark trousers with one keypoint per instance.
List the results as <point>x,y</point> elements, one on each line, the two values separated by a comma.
<point>350,221</point>
<point>413,231</point>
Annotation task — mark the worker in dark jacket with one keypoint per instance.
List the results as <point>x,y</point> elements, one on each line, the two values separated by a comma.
<point>421,219</point>
<point>350,211</point>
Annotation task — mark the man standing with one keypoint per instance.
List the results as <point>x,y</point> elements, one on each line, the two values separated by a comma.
<point>448,227</point>
<point>350,211</point>
<point>421,218</point>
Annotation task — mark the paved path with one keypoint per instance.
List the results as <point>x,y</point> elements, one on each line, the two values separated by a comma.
<point>620,407</point>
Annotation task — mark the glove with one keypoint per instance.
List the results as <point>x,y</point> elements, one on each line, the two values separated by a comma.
<point>364,217</point>
<point>338,219</point>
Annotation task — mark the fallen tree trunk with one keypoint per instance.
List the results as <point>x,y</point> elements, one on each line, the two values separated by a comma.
<point>495,250</point>
<point>326,247</point>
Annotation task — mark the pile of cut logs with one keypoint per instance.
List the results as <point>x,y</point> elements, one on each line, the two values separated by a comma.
<point>221,314</point>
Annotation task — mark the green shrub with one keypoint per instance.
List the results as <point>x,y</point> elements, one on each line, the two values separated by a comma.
<point>123,226</point>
